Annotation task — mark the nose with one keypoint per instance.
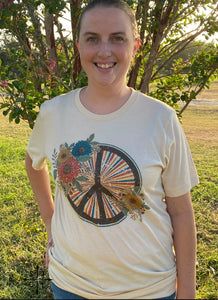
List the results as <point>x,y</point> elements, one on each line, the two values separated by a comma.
<point>104,49</point>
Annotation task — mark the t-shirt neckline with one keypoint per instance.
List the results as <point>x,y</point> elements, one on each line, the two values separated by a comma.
<point>108,116</point>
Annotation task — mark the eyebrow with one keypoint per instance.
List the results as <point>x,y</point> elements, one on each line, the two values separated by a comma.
<point>113,33</point>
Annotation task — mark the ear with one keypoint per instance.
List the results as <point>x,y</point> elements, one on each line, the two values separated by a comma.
<point>77,44</point>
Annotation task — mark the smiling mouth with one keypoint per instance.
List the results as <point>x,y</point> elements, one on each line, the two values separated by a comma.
<point>105,66</point>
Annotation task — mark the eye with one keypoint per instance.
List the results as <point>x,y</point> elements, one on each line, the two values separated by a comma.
<point>92,39</point>
<point>118,39</point>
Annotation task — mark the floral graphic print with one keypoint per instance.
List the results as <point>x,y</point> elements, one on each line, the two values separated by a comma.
<point>67,163</point>
<point>68,170</point>
<point>102,182</point>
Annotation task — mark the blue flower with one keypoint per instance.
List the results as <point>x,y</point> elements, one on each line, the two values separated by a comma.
<point>81,148</point>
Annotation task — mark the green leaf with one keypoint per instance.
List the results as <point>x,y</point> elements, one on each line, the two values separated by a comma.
<point>19,85</point>
<point>5,112</point>
<point>136,190</point>
<point>11,116</point>
<point>83,158</point>
<point>94,143</point>
<point>78,186</point>
<point>146,206</point>
<point>82,178</point>
<point>55,172</point>
<point>19,99</point>
<point>72,145</point>
<point>125,211</point>
<point>91,138</point>
<point>17,120</point>
<point>3,105</point>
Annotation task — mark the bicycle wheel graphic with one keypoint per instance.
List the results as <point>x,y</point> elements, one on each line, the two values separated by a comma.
<point>109,173</point>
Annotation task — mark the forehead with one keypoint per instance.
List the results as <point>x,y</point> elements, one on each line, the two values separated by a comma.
<point>106,18</point>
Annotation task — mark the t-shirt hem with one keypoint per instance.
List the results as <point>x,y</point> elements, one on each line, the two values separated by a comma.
<point>37,165</point>
<point>182,190</point>
<point>160,289</point>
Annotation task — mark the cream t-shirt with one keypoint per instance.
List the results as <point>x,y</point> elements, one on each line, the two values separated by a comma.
<point>111,231</point>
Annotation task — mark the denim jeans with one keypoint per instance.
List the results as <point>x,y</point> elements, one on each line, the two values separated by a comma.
<point>62,294</point>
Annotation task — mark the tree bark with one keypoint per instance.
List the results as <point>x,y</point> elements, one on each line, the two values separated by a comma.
<point>50,41</point>
<point>161,15</point>
<point>75,6</point>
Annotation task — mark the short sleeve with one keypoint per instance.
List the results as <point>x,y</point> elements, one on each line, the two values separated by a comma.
<point>36,145</point>
<point>179,174</point>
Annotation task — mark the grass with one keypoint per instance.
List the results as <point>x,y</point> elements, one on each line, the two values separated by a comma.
<point>23,239</point>
<point>200,125</point>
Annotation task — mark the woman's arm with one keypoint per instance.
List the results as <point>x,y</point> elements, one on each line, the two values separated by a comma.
<point>182,217</point>
<point>40,183</point>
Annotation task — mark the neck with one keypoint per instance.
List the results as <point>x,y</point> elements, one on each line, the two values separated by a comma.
<point>104,100</point>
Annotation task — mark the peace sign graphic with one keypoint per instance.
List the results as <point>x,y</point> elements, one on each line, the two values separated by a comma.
<point>109,172</point>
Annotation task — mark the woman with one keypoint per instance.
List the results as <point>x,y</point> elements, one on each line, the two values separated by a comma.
<point>122,223</point>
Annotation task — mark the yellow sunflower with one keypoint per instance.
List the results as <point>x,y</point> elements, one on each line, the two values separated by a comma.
<point>64,155</point>
<point>133,201</point>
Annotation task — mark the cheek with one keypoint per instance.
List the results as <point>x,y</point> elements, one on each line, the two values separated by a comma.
<point>87,53</point>
<point>125,53</point>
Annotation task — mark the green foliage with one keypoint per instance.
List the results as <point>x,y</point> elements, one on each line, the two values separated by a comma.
<point>38,64</point>
<point>54,6</point>
<point>188,78</point>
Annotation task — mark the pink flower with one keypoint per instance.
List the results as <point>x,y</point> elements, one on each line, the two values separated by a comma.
<point>4,84</point>
<point>52,65</point>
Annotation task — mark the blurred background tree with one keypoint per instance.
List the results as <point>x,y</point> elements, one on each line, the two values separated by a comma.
<point>39,58</point>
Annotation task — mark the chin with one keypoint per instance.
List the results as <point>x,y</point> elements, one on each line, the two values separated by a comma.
<point>105,83</point>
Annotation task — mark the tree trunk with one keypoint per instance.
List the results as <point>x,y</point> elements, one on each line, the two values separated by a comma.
<point>161,15</point>
<point>140,15</point>
<point>146,78</point>
<point>50,40</point>
<point>75,6</point>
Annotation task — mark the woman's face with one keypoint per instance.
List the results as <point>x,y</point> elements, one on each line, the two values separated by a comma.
<point>106,46</point>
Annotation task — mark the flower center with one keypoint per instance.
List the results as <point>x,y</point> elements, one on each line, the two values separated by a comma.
<point>133,201</point>
<point>67,169</point>
<point>81,150</point>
